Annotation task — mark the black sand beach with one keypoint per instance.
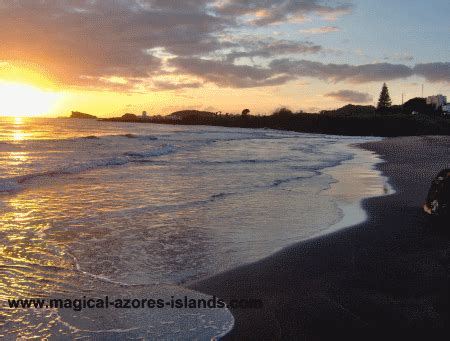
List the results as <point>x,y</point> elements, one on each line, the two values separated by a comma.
<point>385,278</point>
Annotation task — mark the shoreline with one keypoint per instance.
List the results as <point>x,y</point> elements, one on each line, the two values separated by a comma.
<point>374,184</point>
<point>351,210</point>
<point>385,277</point>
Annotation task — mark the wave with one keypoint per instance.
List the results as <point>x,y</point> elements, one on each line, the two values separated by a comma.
<point>128,136</point>
<point>167,149</point>
<point>9,185</point>
<point>279,182</point>
<point>83,138</point>
<point>134,136</point>
<point>242,161</point>
<point>220,195</point>
<point>14,184</point>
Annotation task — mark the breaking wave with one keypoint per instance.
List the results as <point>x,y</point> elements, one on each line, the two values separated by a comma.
<point>14,184</point>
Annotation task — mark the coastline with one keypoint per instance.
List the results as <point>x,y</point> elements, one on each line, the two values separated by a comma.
<point>350,192</point>
<point>386,277</point>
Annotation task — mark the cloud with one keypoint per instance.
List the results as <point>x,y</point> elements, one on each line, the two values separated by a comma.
<point>143,45</point>
<point>75,40</point>
<point>320,30</point>
<point>264,12</point>
<point>168,85</point>
<point>268,48</point>
<point>350,96</point>
<point>342,72</point>
<point>434,72</point>
<point>401,57</point>
<point>228,74</point>
<point>376,72</point>
<point>280,71</point>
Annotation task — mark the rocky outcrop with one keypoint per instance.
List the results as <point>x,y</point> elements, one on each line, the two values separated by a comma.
<point>77,114</point>
<point>129,116</point>
<point>438,199</point>
<point>186,114</point>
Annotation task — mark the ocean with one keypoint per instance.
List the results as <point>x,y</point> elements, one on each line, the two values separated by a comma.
<point>106,208</point>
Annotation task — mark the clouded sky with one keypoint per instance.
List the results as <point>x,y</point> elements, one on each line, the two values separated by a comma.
<point>108,57</point>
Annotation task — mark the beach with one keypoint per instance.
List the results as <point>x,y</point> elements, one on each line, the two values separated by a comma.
<point>384,278</point>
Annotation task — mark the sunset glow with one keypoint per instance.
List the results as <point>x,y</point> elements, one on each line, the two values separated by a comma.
<point>217,55</point>
<point>26,100</point>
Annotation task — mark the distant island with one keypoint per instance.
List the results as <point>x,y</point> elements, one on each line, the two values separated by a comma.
<point>77,114</point>
<point>418,116</point>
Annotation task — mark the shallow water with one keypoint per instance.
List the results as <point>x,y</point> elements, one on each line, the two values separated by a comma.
<point>97,207</point>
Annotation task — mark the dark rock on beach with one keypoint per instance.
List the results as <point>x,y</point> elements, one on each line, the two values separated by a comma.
<point>438,199</point>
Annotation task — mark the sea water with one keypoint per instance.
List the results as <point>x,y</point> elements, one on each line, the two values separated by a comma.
<point>108,208</point>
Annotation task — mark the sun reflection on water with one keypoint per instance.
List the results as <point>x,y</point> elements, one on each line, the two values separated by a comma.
<point>17,158</point>
<point>27,258</point>
<point>18,134</point>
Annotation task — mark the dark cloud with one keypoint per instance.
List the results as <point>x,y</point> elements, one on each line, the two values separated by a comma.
<point>276,11</point>
<point>350,96</point>
<point>76,39</point>
<point>434,72</point>
<point>271,47</point>
<point>129,45</point>
<point>342,72</point>
<point>228,74</point>
<point>167,85</point>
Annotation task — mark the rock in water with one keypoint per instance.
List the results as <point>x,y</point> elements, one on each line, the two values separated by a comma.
<point>438,199</point>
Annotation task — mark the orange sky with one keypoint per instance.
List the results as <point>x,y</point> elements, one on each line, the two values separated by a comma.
<point>108,58</point>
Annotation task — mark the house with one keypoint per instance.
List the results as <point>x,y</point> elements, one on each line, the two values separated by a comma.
<point>437,101</point>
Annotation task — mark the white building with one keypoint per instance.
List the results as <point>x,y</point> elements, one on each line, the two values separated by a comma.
<point>437,101</point>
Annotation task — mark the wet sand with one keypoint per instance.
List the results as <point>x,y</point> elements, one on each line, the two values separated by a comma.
<point>385,278</point>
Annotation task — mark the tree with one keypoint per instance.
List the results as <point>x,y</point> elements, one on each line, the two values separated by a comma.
<point>282,112</point>
<point>384,101</point>
<point>245,112</point>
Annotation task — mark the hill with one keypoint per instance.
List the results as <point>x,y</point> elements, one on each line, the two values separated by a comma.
<point>77,114</point>
<point>351,120</point>
<point>351,109</point>
<point>184,114</point>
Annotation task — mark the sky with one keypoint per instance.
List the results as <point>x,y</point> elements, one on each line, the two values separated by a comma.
<point>111,57</point>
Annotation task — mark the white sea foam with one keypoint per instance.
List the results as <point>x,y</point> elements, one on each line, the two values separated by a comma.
<point>138,205</point>
<point>15,183</point>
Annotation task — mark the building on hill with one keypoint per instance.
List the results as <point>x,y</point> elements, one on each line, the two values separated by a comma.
<point>437,101</point>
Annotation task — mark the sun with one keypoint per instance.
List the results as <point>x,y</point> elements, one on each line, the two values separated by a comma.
<point>17,99</point>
